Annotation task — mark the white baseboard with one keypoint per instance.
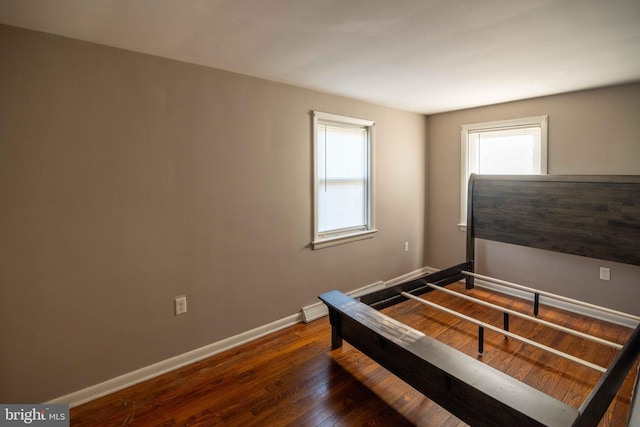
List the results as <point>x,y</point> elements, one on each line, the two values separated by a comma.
<point>307,314</point>
<point>148,372</point>
<point>412,275</point>
<point>318,310</point>
<point>574,308</point>
<point>123,381</point>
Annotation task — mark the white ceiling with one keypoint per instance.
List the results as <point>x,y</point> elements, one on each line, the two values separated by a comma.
<point>426,56</point>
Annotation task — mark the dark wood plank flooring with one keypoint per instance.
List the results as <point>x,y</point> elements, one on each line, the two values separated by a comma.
<point>293,378</point>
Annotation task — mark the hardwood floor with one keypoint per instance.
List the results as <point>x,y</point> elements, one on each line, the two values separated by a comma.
<point>293,378</point>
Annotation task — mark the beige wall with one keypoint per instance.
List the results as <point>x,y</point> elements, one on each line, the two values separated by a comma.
<point>590,132</point>
<point>127,180</point>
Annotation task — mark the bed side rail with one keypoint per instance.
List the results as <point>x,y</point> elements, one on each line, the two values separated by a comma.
<point>633,418</point>
<point>390,296</point>
<point>596,404</point>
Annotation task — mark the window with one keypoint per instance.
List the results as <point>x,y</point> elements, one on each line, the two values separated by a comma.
<point>508,147</point>
<point>343,179</point>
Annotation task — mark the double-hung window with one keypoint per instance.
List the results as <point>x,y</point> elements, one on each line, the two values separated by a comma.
<point>343,179</point>
<point>507,147</point>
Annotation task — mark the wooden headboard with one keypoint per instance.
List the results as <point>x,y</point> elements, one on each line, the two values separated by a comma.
<point>594,216</point>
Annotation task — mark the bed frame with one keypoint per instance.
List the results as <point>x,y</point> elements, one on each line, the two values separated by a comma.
<point>592,216</point>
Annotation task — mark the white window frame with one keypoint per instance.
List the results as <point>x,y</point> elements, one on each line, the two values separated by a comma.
<point>332,238</point>
<point>537,121</point>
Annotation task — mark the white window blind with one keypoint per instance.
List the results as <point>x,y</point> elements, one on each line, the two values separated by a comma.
<point>508,151</point>
<point>342,177</point>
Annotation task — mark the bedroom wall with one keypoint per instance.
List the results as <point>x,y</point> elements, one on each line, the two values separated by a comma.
<point>590,132</point>
<point>127,180</point>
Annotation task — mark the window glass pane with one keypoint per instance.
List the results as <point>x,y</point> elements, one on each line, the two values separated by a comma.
<point>342,176</point>
<point>341,206</point>
<point>513,151</point>
<point>506,155</point>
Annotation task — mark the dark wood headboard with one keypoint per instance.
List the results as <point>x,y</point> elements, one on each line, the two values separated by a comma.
<point>594,216</point>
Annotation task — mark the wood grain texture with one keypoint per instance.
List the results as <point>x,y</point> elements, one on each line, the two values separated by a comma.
<point>596,217</point>
<point>293,378</point>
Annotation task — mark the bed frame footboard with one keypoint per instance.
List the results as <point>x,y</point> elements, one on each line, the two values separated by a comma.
<point>474,392</point>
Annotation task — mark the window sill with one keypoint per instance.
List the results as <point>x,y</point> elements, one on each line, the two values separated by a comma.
<point>340,240</point>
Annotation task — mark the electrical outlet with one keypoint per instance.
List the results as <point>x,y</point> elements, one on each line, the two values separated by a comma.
<point>605,273</point>
<point>406,246</point>
<point>181,305</point>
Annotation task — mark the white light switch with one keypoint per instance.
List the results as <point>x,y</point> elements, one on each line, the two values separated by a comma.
<point>605,273</point>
